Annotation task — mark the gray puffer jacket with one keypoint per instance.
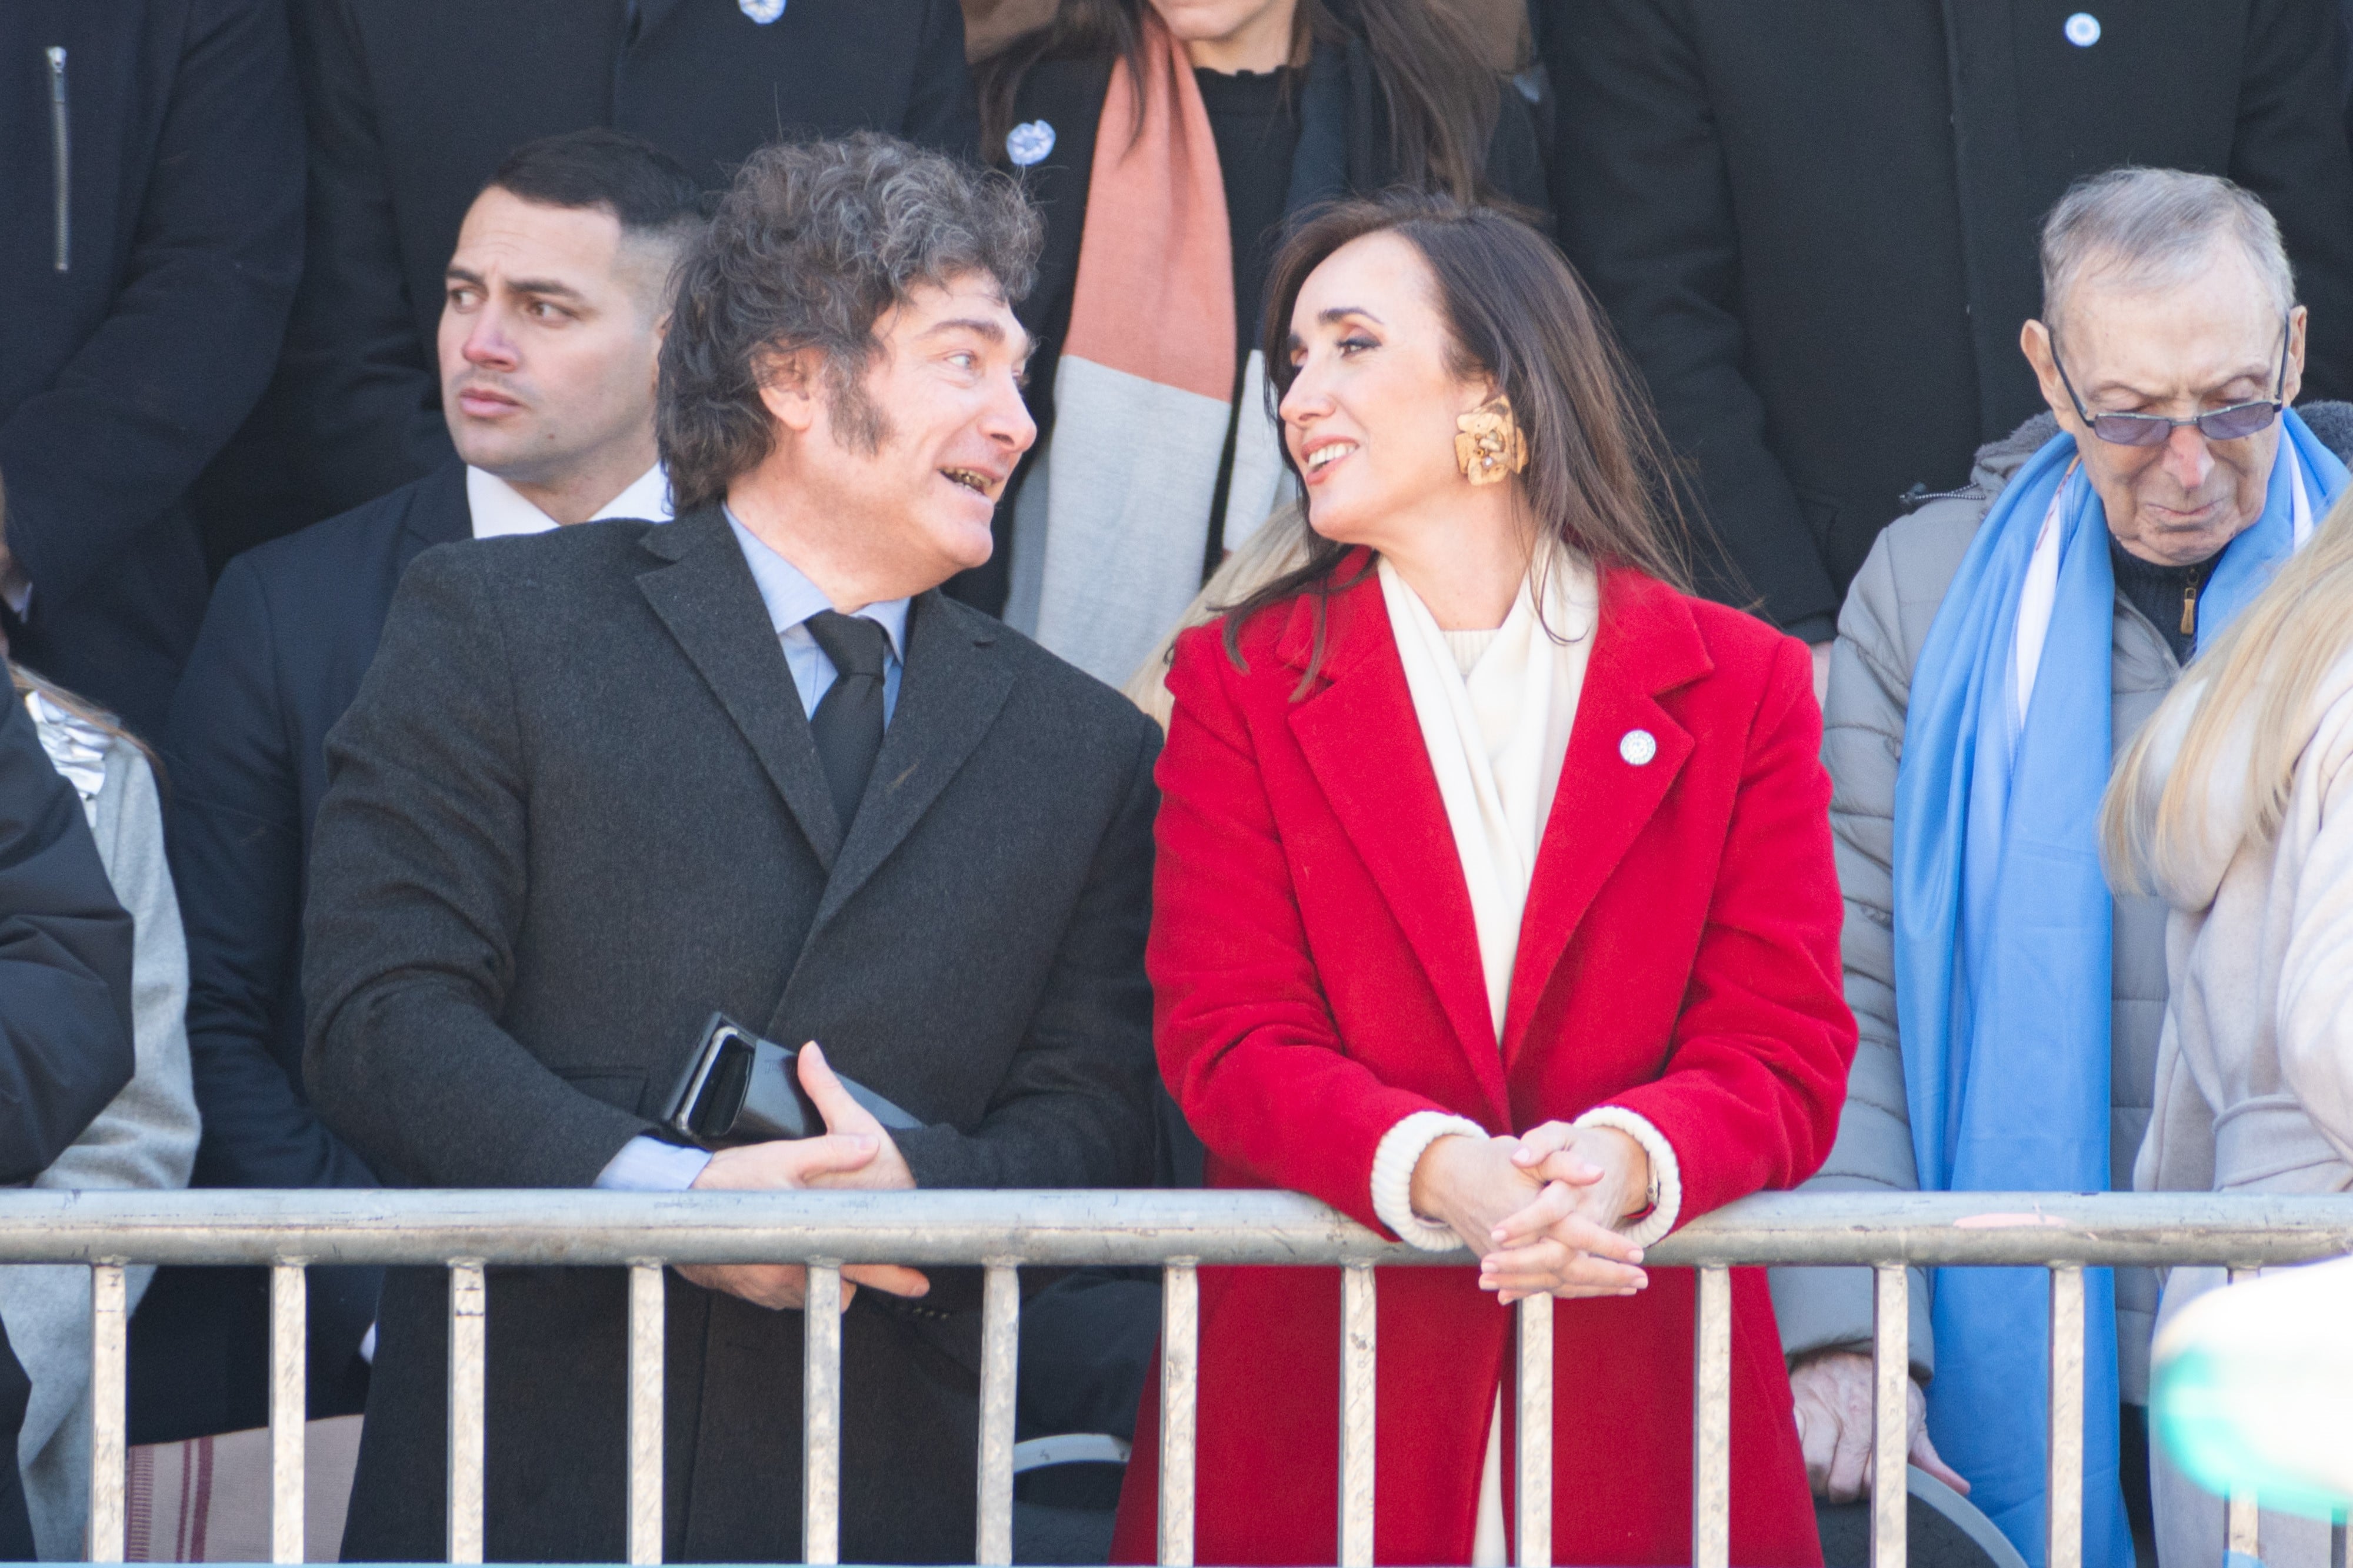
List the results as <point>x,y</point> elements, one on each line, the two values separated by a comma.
<point>1880,629</point>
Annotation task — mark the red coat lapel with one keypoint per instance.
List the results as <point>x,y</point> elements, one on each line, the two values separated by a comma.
<point>1646,644</point>
<point>1363,743</point>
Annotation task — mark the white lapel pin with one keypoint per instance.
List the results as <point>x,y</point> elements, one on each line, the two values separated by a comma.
<point>1030,144</point>
<point>762,11</point>
<point>1638,746</point>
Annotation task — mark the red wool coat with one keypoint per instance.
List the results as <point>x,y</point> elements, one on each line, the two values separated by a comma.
<point>1317,979</point>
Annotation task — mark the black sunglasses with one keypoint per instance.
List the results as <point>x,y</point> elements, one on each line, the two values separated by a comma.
<point>2236,423</point>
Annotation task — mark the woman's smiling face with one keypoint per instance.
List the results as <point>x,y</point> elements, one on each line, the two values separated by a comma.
<point>1369,417</point>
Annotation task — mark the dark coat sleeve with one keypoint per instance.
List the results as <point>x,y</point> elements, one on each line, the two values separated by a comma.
<point>1075,1107</point>
<point>418,880</point>
<point>2290,150</point>
<point>370,391</point>
<point>64,959</point>
<point>942,111</point>
<point>123,429</point>
<point>236,858</point>
<point>1644,208</point>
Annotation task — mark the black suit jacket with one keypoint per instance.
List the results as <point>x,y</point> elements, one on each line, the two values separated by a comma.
<point>1815,223</point>
<point>412,105</point>
<point>124,371</point>
<point>1343,150</point>
<point>576,807</point>
<point>65,1007</point>
<point>292,629</point>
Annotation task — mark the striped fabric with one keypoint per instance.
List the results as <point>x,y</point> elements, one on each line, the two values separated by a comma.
<point>1145,393</point>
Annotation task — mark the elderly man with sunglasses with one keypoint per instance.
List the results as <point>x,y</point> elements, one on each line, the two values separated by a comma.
<point>1997,648</point>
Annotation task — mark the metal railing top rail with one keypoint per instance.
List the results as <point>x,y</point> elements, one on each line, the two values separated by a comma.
<point>1136,1227</point>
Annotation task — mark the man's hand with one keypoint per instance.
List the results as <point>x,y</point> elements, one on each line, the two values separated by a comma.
<point>853,1152</point>
<point>1832,1391</point>
<point>1497,1204</point>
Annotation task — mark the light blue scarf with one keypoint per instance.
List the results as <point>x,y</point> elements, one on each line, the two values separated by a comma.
<point>2002,952</point>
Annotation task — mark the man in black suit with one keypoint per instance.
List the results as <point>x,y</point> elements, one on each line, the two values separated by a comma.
<point>603,782</point>
<point>551,322</point>
<point>151,232</point>
<point>1814,223</point>
<point>65,1009</point>
<point>412,103</point>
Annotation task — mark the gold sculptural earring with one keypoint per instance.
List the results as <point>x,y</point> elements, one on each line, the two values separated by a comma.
<point>1489,445</point>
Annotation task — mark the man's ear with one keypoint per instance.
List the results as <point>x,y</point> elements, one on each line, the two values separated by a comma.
<point>2034,342</point>
<point>2298,320</point>
<point>789,388</point>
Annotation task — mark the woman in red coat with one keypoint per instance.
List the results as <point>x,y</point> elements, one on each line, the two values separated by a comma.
<point>1495,907</point>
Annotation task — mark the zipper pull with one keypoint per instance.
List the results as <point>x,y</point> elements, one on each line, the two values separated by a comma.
<point>61,157</point>
<point>2189,606</point>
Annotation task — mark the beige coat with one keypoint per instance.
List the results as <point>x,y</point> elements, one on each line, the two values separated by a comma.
<point>2254,1069</point>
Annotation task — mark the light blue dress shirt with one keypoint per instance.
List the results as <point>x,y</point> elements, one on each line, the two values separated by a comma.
<point>791,599</point>
<point>648,1164</point>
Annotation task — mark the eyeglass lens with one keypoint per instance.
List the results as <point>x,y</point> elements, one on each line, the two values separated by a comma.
<point>2233,424</point>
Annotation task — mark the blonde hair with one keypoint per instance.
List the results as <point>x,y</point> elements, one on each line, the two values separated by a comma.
<point>1279,546</point>
<point>2257,688</point>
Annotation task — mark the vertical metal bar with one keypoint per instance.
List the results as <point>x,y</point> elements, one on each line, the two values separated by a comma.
<point>1532,1452</point>
<point>1891,1372</point>
<point>821,1416</point>
<point>1712,1424</point>
<point>109,1323</point>
<point>647,1306</point>
<point>1000,1349</point>
<point>469,1302</point>
<point>2337,1540</point>
<point>1358,1321</point>
<point>2064,1544</point>
<point>289,1336</point>
<point>2242,1527</point>
<point>1180,1326</point>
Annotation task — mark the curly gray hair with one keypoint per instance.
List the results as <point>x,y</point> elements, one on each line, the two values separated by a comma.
<point>812,245</point>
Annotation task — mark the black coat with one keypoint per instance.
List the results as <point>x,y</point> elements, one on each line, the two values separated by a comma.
<point>414,103</point>
<point>180,219</point>
<point>576,807</point>
<point>1343,150</point>
<point>290,632</point>
<point>1815,223</point>
<point>65,1007</point>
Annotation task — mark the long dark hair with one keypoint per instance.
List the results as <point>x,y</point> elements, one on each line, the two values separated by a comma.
<point>1598,480</point>
<point>1440,90</point>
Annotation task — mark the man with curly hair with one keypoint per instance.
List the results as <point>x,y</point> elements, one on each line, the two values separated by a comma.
<point>602,782</point>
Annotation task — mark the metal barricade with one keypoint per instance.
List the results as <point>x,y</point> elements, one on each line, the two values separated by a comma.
<point>468,1231</point>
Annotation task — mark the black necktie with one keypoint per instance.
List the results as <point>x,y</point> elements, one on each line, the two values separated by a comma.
<point>848,723</point>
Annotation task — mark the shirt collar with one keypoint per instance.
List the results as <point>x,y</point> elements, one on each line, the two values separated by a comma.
<point>497,508</point>
<point>792,598</point>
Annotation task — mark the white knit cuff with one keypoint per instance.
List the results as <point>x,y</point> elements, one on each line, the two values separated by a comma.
<point>1666,1195</point>
<point>1401,1149</point>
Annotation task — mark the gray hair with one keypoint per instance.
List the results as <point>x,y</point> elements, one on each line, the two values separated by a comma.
<point>2155,228</point>
<point>812,245</point>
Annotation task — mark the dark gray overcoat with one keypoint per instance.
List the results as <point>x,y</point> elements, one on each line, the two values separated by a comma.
<point>575,808</point>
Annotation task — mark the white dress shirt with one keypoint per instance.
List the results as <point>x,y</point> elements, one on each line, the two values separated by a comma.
<point>499,510</point>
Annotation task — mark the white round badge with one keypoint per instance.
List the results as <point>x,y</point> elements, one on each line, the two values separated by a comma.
<point>2083,30</point>
<point>1030,144</point>
<point>1638,746</point>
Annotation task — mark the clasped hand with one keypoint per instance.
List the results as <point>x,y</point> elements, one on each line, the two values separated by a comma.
<point>854,1152</point>
<point>1541,1211</point>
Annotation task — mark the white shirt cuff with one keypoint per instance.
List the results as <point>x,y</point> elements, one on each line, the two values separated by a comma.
<point>1666,1195</point>
<point>1401,1149</point>
<point>649,1165</point>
